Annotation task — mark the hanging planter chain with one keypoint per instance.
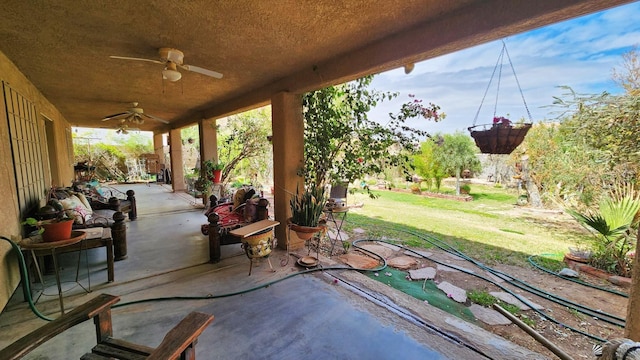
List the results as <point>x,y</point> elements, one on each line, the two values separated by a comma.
<point>498,67</point>
<point>504,46</point>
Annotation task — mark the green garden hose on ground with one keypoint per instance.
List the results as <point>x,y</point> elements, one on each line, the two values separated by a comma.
<point>24,274</point>
<point>577,281</point>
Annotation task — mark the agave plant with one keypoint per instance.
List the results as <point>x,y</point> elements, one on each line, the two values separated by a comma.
<point>307,206</point>
<point>613,224</point>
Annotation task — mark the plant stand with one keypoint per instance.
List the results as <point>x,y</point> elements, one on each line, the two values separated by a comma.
<point>308,235</point>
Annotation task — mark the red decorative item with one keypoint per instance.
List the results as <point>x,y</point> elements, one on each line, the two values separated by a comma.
<point>217,176</point>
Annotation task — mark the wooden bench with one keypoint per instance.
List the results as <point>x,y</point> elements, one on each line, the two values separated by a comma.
<point>178,343</point>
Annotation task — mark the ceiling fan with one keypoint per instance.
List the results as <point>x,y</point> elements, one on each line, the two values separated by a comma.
<point>172,59</point>
<point>134,115</point>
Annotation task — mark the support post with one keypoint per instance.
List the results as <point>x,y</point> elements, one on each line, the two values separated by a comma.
<point>632,328</point>
<point>175,152</point>
<point>288,155</point>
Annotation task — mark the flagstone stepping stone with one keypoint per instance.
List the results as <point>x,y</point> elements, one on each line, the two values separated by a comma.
<point>358,231</point>
<point>333,235</point>
<point>454,257</point>
<point>488,316</point>
<point>450,269</point>
<point>510,299</point>
<point>359,261</point>
<point>495,278</point>
<point>422,273</point>
<point>402,262</point>
<point>378,249</point>
<point>390,246</point>
<point>422,254</point>
<point>454,292</point>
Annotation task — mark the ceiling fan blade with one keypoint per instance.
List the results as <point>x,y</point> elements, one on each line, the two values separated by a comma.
<point>202,71</point>
<point>113,116</point>
<point>155,118</point>
<point>138,59</point>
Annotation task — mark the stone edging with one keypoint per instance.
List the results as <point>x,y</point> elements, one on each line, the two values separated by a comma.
<point>614,279</point>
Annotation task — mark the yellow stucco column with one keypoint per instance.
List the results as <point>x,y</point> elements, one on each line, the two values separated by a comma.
<point>158,148</point>
<point>288,155</point>
<point>175,154</point>
<point>208,140</point>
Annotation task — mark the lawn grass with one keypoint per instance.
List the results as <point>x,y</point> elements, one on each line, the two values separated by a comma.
<point>486,228</point>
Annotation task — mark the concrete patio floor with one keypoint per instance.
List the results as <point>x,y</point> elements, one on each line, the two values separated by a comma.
<point>330,314</point>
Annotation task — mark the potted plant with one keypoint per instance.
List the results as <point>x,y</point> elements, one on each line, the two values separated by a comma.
<point>51,223</point>
<point>306,208</point>
<point>217,172</point>
<point>212,170</point>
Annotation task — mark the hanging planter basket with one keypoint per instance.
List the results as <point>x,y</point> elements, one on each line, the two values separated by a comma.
<point>498,139</point>
<point>501,137</point>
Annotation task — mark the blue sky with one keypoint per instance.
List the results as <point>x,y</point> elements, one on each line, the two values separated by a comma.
<point>580,53</point>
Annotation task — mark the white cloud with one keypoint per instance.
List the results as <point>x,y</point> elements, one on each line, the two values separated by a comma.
<point>579,53</point>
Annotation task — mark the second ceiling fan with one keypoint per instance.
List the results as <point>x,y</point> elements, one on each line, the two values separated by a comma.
<point>173,59</point>
<point>134,115</point>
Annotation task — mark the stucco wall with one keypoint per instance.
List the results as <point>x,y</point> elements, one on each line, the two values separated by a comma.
<point>62,173</point>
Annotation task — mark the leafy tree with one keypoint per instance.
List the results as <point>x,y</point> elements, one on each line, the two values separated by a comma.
<point>594,143</point>
<point>628,77</point>
<point>456,153</point>
<point>343,144</point>
<point>562,166</point>
<point>243,144</point>
<point>426,164</point>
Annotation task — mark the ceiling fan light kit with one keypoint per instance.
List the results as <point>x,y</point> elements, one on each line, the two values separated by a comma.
<point>171,74</point>
<point>173,59</point>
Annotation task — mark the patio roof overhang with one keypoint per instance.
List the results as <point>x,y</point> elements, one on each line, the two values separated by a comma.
<point>261,47</point>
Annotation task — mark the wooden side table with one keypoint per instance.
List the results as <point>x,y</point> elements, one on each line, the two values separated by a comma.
<point>36,247</point>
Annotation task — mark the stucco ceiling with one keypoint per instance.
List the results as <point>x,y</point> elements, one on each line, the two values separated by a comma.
<point>260,46</point>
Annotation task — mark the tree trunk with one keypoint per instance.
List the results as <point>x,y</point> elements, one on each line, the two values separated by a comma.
<point>632,329</point>
<point>458,182</point>
<point>532,189</point>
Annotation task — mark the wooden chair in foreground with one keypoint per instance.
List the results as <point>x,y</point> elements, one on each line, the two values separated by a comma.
<point>178,343</point>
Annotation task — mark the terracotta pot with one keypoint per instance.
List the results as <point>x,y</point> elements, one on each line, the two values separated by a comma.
<point>217,176</point>
<point>305,232</point>
<point>57,231</point>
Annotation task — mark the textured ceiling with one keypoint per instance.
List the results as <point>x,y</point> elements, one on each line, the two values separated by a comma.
<point>261,47</point>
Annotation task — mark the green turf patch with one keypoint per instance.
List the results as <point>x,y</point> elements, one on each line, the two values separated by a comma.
<point>431,293</point>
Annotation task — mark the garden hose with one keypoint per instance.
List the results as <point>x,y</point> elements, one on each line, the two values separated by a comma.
<point>609,318</point>
<point>25,276</point>
<point>498,273</point>
<point>23,271</point>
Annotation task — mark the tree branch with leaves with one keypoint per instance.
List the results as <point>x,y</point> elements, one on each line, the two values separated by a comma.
<point>343,144</point>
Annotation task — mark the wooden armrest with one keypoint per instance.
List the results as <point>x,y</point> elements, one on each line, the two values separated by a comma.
<point>80,314</point>
<point>181,336</point>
